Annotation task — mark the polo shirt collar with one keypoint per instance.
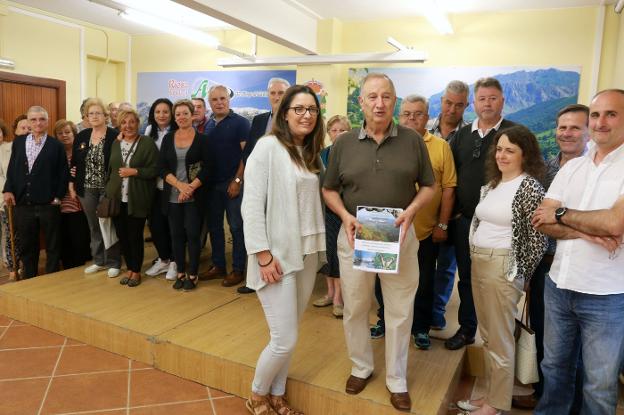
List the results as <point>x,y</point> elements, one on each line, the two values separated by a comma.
<point>475,125</point>
<point>213,118</point>
<point>392,131</point>
<point>428,136</point>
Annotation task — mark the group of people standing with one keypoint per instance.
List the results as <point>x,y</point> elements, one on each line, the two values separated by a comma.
<point>477,196</point>
<point>481,198</point>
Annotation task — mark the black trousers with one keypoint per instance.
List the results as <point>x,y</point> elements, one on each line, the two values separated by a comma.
<point>75,239</point>
<point>31,219</point>
<point>159,227</point>
<point>185,223</point>
<point>130,233</point>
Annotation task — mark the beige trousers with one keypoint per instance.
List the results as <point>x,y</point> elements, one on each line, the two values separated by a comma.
<point>399,291</point>
<point>496,303</point>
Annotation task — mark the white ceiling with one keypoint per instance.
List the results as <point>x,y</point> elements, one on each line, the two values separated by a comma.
<point>321,9</point>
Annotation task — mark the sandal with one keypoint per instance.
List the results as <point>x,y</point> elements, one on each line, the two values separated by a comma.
<point>179,282</point>
<point>133,282</point>
<point>259,407</point>
<point>281,407</point>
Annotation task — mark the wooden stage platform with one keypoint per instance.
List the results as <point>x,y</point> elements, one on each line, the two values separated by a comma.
<point>214,336</point>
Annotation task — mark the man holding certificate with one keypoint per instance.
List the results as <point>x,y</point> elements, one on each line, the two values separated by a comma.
<point>378,165</point>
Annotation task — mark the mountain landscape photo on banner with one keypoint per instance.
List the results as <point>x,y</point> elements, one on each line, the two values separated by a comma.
<point>533,96</point>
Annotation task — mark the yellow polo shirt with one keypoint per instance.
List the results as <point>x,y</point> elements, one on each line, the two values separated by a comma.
<point>445,176</point>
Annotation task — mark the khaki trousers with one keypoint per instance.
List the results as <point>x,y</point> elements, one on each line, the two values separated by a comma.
<point>399,291</point>
<point>496,303</point>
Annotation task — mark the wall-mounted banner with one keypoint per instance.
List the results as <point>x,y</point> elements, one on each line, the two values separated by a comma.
<point>533,95</point>
<point>248,89</point>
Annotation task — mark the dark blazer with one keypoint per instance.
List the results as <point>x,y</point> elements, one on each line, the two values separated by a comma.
<point>199,152</point>
<point>79,155</point>
<point>46,181</point>
<point>140,187</point>
<point>258,129</point>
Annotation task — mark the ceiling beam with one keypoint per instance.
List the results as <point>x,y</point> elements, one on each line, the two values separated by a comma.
<point>275,20</point>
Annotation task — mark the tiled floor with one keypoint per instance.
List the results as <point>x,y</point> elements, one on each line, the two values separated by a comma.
<point>44,373</point>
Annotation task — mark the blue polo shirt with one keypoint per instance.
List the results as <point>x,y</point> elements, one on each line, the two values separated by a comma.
<point>225,138</point>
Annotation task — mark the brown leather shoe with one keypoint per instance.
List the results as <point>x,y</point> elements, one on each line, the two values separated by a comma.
<point>356,385</point>
<point>233,278</point>
<point>524,401</point>
<point>401,401</point>
<point>212,274</point>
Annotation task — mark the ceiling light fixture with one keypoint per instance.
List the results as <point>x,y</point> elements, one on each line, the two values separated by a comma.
<point>170,27</point>
<point>437,18</point>
<point>7,63</point>
<point>174,12</point>
<point>403,56</point>
<point>619,6</point>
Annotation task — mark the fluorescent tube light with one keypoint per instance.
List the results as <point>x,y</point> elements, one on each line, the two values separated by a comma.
<point>7,63</point>
<point>437,17</point>
<point>175,12</point>
<point>170,27</point>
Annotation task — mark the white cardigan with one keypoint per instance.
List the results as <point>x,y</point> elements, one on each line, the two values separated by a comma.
<point>269,210</point>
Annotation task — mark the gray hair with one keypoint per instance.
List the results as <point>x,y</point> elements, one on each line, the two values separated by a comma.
<point>125,104</point>
<point>416,98</point>
<point>219,86</point>
<point>277,80</point>
<point>377,75</point>
<point>37,109</point>
<point>457,87</point>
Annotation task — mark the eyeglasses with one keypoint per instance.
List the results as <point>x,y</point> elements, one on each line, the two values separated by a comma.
<point>95,114</point>
<point>415,114</point>
<point>476,151</point>
<point>314,111</point>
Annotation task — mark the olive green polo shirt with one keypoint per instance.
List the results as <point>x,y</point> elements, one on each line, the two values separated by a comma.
<point>384,175</point>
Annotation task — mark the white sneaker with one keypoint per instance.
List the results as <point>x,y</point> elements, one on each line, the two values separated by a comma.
<point>159,267</point>
<point>93,268</point>
<point>466,405</point>
<point>172,273</point>
<point>113,272</point>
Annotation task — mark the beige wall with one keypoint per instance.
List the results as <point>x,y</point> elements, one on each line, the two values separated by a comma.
<point>49,46</point>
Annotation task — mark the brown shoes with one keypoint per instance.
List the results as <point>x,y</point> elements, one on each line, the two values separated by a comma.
<point>401,401</point>
<point>356,385</point>
<point>524,401</point>
<point>233,278</point>
<point>213,274</point>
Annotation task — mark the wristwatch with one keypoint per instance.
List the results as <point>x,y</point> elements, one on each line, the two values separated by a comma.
<point>559,213</point>
<point>237,180</point>
<point>443,226</point>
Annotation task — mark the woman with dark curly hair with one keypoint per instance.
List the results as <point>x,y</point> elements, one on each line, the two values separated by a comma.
<point>505,250</point>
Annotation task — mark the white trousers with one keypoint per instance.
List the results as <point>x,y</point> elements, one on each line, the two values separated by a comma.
<point>399,291</point>
<point>283,303</point>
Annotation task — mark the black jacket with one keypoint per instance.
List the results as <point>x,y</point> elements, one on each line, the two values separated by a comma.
<point>199,152</point>
<point>46,181</point>
<point>258,129</point>
<point>79,155</point>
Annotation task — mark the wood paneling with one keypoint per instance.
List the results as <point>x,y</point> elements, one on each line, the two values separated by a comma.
<point>19,92</point>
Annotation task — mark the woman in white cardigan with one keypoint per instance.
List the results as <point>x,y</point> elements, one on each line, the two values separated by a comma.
<point>284,234</point>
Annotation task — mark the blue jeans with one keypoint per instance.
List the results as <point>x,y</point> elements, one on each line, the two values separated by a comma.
<point>443,282</point>
<point>592,323</point>
<point>219,203</point>
<point>459,231</point>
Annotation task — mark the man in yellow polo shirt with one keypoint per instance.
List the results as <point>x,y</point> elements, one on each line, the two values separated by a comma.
<point>431,222</point>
